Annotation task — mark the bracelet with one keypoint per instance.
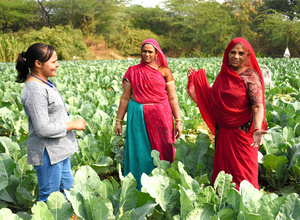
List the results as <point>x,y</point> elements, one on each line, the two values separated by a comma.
<point>118,119</point>
<point>119,122</point>
<point>178,119</point>
<point>254,130</point>
<point>178,123</point>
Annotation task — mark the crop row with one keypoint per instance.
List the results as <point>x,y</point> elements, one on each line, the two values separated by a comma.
<point>92,90</point>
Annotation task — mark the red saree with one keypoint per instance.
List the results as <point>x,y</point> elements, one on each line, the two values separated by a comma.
<point>227,105</point>
<point>149,88</point>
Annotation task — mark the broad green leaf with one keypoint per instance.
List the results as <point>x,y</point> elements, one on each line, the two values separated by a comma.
<point>283,117</point>
<point>276,169</point>
<point>106,190</point>
<point>248,216</point>
<point>27,191</point>
<point>7,165</point>
<point>208,196</point>
<point>197,154</point>
<point>22,167</point>
<point>59,207</point>
<point>186,204</point>
<point>207,212</point>
<point>249,196</point>
<point>297,130</point>
<point>101,208</point>
<point>226,214</point>
<point>223,185</point>
<point>144,211</point>
<point>6,214</point>
<point>41,212</point>
<point>128,196</point>
<point>9,145</point>
<point>3,182</point>
<point>77,201</point>
<point>234,199</point>
<point>159,163</point>
<point>269,206</point>
<point>159,187</point>
<point>288,133</point>
<point>290,208</point>
<point>86,181</point>
<point>8,193</point>
<point>187,181</point>
<point>103,165</point>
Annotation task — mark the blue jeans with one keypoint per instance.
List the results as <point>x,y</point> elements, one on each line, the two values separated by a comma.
<point>52,178</point>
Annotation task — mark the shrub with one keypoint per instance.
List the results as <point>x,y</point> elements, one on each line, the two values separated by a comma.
<point>68,42</point>
<point>10,46</point>
<point>129,41</point>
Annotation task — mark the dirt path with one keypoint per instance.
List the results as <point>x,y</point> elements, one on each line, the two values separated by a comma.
<point>101,52</point>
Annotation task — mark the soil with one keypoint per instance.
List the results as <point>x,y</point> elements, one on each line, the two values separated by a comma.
<point>102,52</point>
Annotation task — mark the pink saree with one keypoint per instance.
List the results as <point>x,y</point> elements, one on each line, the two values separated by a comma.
<point>227,105</point>
<point>149,89</point>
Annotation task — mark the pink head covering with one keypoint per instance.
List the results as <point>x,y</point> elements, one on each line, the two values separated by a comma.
<point>161,59</point>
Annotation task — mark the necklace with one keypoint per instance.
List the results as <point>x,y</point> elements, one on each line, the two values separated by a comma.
<point>49,83</point>
<point>153,66</point>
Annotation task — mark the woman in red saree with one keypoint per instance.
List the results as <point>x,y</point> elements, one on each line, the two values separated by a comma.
<point>150,101</point>
<point>234,110</point>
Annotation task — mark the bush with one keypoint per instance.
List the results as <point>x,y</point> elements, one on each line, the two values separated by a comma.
<point>129,41</point>
<point>68,42</point>
<point>10,47</point>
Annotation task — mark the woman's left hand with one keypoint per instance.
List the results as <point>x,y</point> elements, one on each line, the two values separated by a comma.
<point>190,71</point>
<point>258,138</point>
<point>178,130</point>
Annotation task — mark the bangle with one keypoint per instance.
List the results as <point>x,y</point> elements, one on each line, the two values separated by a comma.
<point>178,119</point>
<point>255,130</point>
<point>119,122</point>
<point>178,123</point>
<point>118,119</point>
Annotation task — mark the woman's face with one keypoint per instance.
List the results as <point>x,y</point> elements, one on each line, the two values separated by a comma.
<point>238,56</point>
<point>149,54</point>
<point>48,68</point>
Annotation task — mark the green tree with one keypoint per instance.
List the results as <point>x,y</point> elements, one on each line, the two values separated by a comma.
<point>244,12</point>
<point>91,16</point>
<point>155,19</point>
<point>290,8</point>
<point>277,33</point>
<point>201,26</point>
<point>18,14</point>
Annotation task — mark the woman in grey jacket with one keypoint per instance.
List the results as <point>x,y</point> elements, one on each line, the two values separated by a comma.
<point>51,137</point>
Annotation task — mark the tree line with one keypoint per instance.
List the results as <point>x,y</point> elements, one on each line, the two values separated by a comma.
<point>186,28</point>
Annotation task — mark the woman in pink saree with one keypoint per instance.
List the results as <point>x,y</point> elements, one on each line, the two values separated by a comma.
<point>150,101</point>
<point>234,110</point>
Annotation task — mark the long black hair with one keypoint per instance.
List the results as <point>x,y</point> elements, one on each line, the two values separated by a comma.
<point>26,60</point>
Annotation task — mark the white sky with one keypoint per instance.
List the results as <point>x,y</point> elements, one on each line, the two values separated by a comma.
<point>153,3</point>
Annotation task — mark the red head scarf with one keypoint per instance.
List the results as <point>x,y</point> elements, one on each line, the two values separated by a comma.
<point>252,62</point>
<point>161,59</point>
<point>233,109</point>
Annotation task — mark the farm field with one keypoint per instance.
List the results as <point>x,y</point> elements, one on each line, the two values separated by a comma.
<point>181,190</point>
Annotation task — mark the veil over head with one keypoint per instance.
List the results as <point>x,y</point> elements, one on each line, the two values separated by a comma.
<point>227,72</point>
<point>161,58</point>
<point>251,62</point>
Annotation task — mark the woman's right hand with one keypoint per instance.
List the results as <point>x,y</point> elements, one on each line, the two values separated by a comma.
<point>78,124</point>
<point>190,71</point>
<point>118,129</point>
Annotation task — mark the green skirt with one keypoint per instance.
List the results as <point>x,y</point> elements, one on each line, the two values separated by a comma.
<point>138,158</point>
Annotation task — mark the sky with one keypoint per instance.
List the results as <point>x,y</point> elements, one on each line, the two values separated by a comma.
<point>153,3</point>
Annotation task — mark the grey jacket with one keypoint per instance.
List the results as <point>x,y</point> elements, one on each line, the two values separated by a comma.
<point>47,117</point>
